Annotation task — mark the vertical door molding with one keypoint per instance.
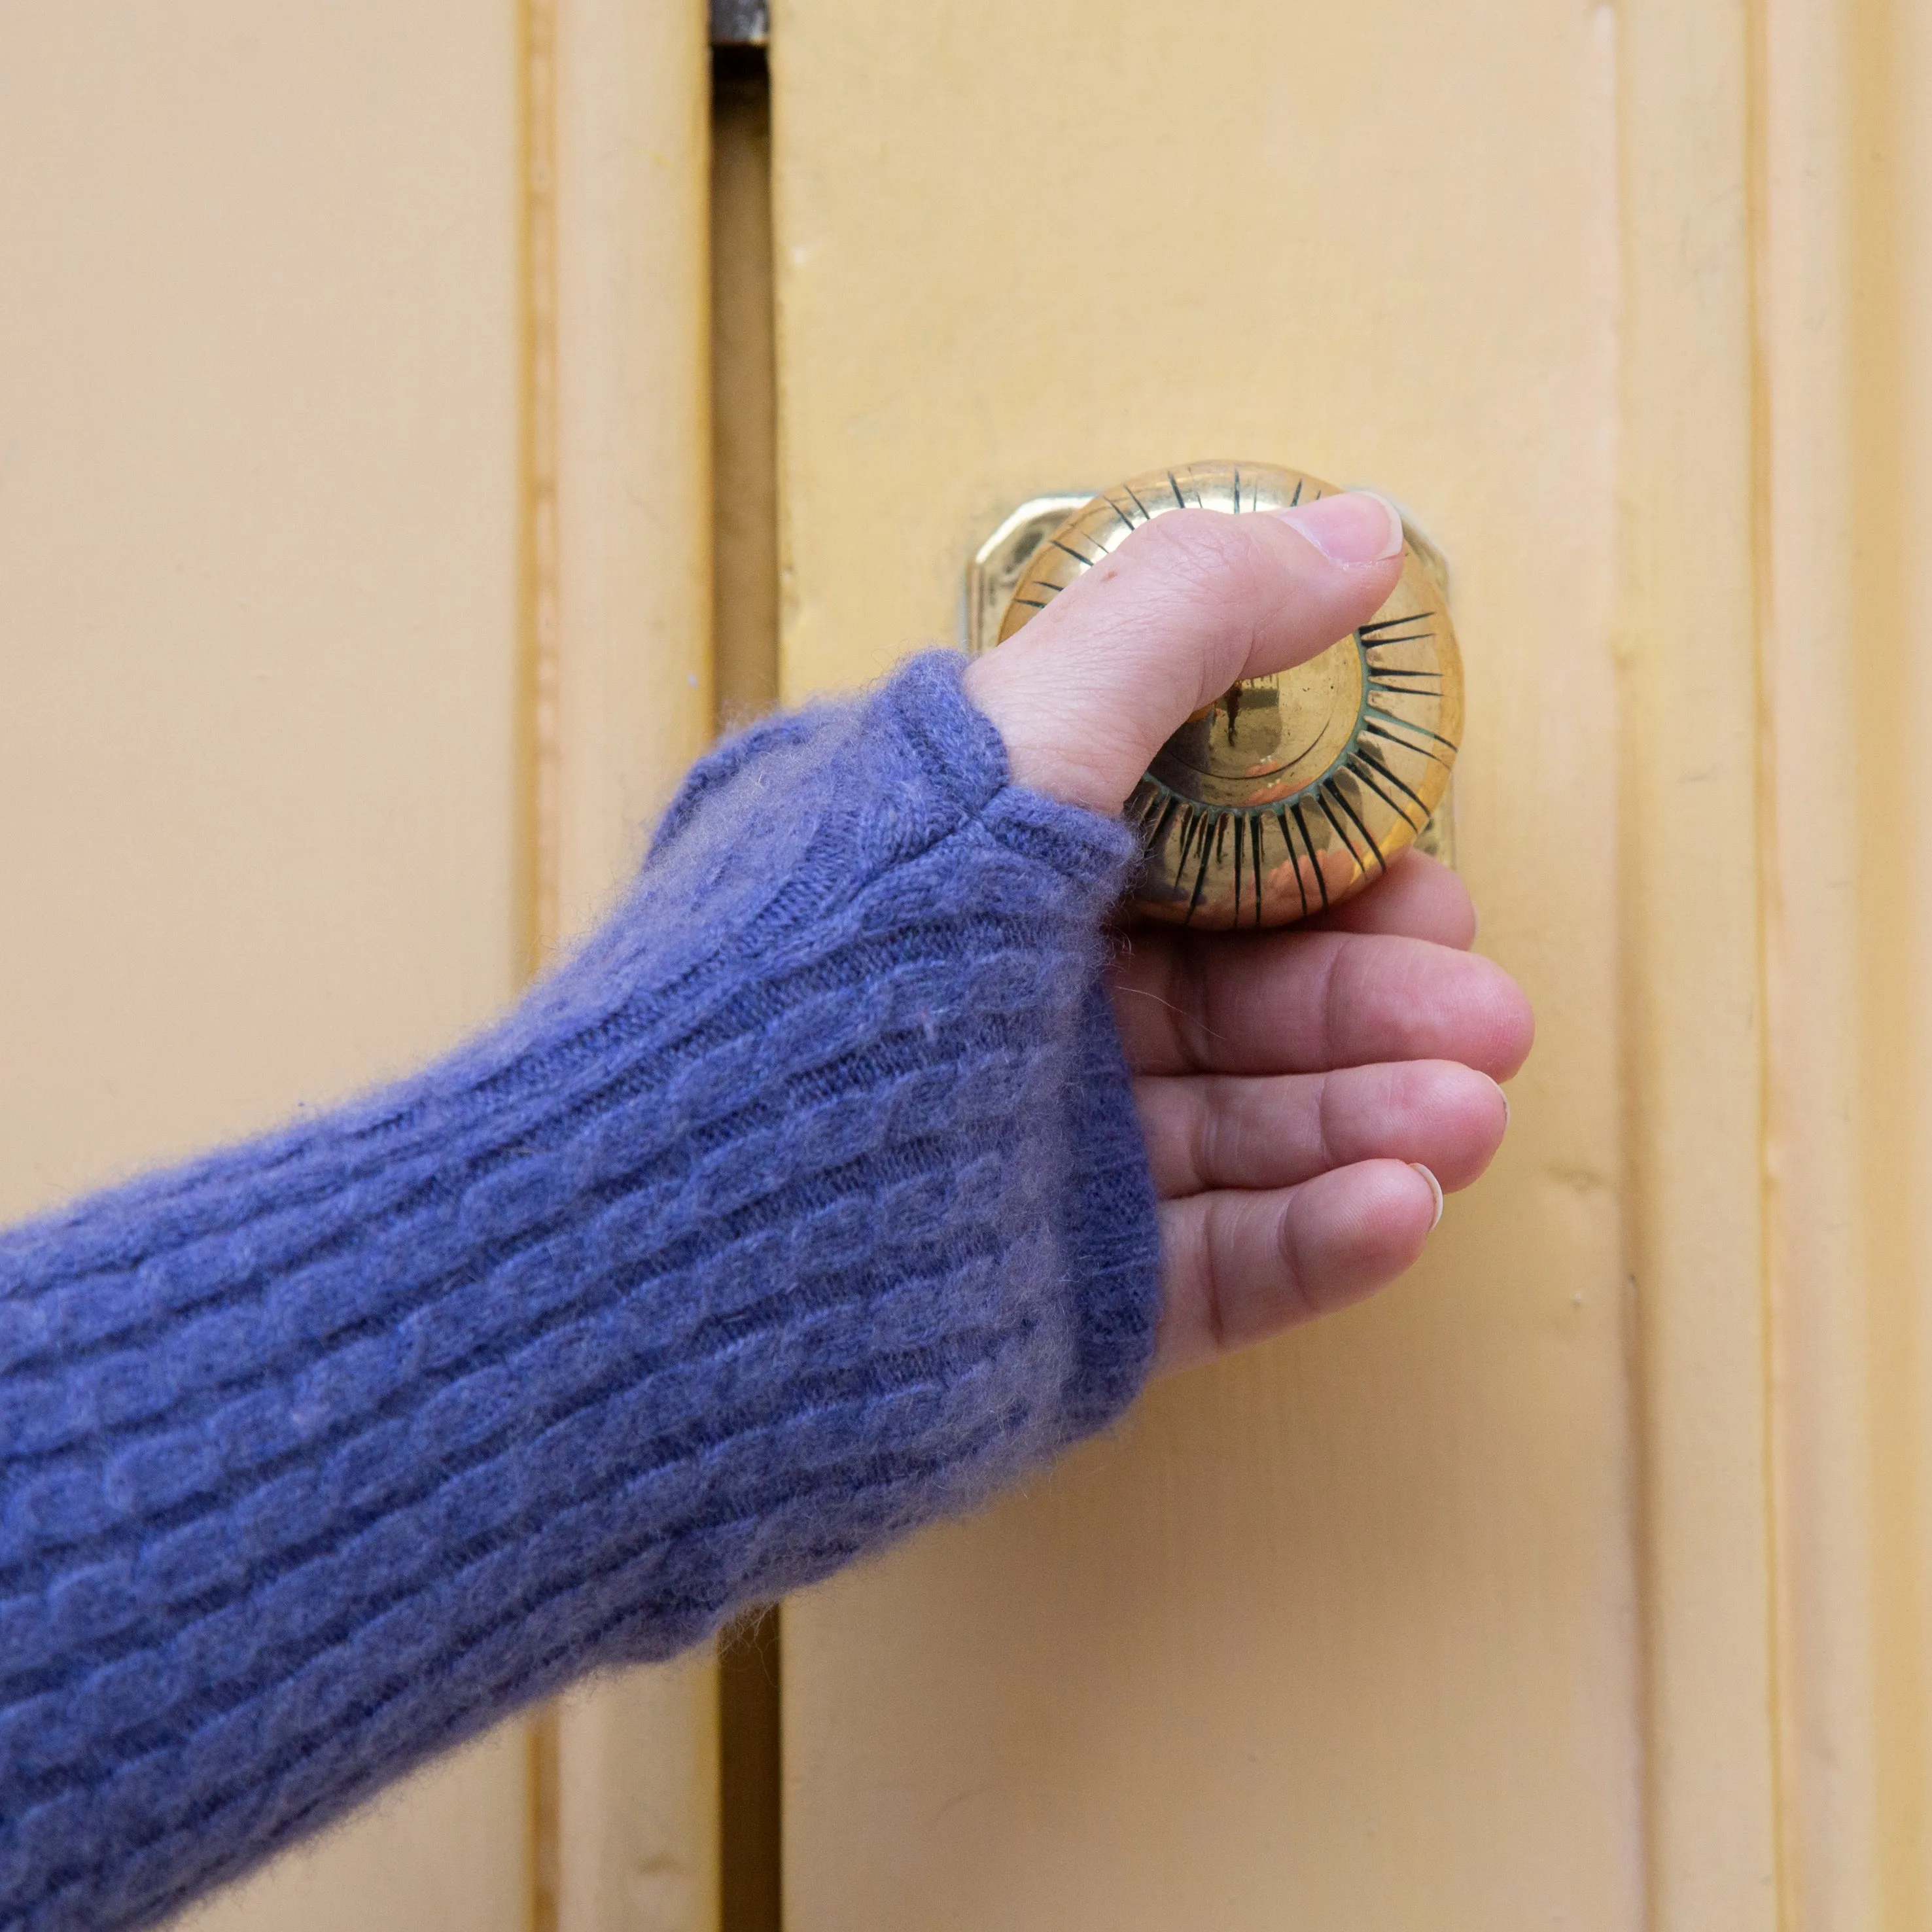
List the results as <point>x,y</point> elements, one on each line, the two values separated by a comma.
<point>1814,879</point>
<point>633,431</point>
<point>1693,997</point>
<point>636,1848</point>
<point>629,682</point>
<point>1847,309</point>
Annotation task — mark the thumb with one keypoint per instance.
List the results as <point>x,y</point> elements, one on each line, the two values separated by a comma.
<point>1191,603</point>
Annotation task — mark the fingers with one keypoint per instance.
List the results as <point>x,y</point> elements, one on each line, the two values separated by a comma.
<point>1418,897</point>
<point>1188,605</point>
<point>1301,1002</point>
<point>1240,1267</point>
<point>1205,1131</point>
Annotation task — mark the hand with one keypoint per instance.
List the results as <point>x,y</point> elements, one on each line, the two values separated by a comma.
<point>1306,1094</point>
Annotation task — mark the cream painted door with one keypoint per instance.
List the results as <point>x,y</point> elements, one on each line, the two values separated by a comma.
<point>1344,1634</point>
<point>259,344</point>
<point>356,521</point>
<point>1581,1580</point>
<point>354,618</point>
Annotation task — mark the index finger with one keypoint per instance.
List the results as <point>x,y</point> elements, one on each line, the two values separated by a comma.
<point>1294,1002</point>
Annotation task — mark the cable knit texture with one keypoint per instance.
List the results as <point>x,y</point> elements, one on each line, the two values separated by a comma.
<point>805,1204</point>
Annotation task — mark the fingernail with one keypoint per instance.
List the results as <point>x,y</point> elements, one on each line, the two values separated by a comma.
<point>1357,526</point>
<point>1498,1086</point>
<point>1435,1188</point>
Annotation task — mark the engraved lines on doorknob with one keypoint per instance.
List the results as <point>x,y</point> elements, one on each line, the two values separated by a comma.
<point>1290,792</point>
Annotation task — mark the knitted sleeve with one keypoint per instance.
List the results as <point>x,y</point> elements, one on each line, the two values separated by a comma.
<point>806,1204</point>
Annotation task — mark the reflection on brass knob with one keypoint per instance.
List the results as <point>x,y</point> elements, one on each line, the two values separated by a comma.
<point>1290,792</point>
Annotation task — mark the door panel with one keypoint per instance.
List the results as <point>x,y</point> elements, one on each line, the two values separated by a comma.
<point>356,517</point>
<point>354,600</point>
<point>1689,537</point>
<point>1584,1580</point>
<point>1346,1633</point>
<point>259,500</point>
<point>259,338</point>
<point>622,517</point>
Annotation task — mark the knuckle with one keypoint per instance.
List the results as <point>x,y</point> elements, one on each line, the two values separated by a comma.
<point>1297,1302</point>
<point>1327,1103</point>
<point>1207,555</point>
<point>1204,1140</point>
<point>1213,1288</point>
<point>1333,995</point>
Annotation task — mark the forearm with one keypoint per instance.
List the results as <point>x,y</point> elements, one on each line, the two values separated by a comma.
<point>806,1204</point>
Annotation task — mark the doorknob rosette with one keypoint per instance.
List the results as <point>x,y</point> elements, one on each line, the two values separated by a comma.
<point>1291,793</point>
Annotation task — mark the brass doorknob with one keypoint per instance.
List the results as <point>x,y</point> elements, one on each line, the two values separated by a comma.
<point>1290,792</point>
